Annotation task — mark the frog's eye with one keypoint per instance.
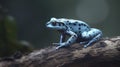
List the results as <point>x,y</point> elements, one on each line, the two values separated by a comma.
<point>54,23</point>
<point>59,24</point>
<point>62,24</point>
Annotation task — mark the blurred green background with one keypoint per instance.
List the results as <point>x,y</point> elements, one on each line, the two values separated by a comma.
<point>31,16</point>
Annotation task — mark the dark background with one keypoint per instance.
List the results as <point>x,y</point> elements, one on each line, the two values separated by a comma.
<point>31,16</point>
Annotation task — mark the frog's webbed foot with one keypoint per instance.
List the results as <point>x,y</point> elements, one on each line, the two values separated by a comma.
<point>61,45</point>
<point>58,47</point>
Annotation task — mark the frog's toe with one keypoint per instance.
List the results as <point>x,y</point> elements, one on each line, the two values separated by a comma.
<point>56,44</point>
<point>83,42</point>
<point>57,48</point>
<point>85,46</point>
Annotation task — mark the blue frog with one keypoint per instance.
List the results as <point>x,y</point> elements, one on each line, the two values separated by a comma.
<point>78,31</point>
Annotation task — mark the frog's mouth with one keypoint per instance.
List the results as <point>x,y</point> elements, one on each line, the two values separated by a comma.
<point>54,27</point>
<point>49,26</point>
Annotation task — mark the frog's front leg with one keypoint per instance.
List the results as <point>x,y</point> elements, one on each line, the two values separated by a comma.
<point>62,39</point>
<point>71,40</point>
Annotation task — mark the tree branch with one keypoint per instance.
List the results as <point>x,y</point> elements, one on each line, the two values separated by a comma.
<point>104,53</point>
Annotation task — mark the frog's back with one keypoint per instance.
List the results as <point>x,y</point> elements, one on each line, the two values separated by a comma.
<point>77,26</point>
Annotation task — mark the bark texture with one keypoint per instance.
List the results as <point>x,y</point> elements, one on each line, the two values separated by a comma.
<point>104,53</point>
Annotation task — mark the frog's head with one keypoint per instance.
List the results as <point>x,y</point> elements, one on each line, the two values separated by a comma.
<point>56,24</point>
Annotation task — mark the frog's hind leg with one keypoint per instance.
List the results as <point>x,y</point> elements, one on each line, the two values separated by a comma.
<point>94,35</point>
<point>96,38</point>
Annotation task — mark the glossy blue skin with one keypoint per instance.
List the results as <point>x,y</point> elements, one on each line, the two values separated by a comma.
<point>79,31</point>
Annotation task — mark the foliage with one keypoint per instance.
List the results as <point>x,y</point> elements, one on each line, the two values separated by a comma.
<point>8,37</point>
